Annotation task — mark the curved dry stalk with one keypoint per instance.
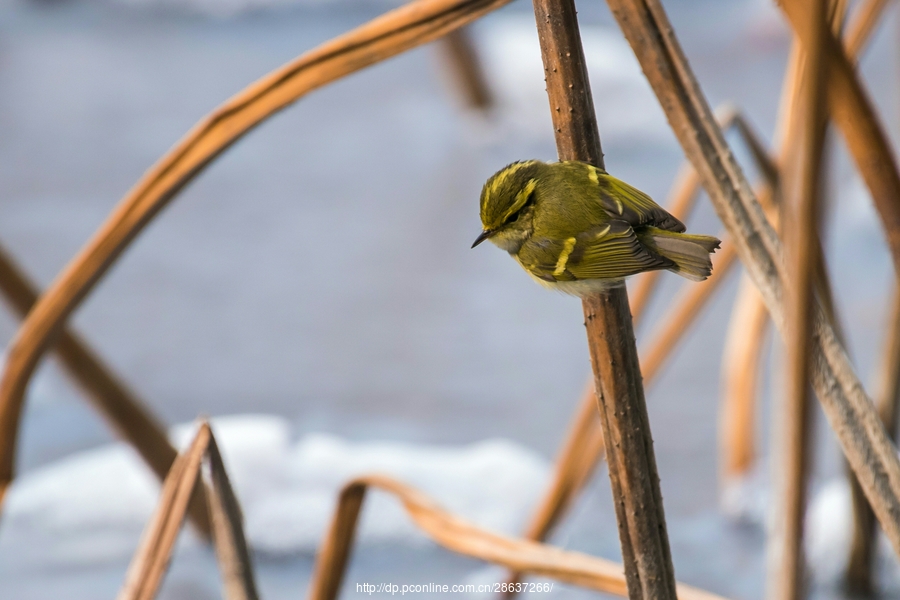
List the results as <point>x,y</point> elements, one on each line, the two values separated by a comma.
<point>862,545</point>
<point>740,364</point>
<point>126,414</point>
<point>467,539</point>
<point>849,411</point>
<point>414,24</point>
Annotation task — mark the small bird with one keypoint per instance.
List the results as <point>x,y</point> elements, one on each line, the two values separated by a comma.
<point>577,229</point>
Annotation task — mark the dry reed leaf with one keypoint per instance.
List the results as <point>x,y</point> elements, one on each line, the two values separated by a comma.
<point>850,412</point>
<point>411,25</point>
<point>152,558</point>
<point>228,531</point>
<point>464,538</point>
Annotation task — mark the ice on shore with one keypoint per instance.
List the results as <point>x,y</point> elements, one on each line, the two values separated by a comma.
<point>93,505</point>
<point>829,532</point>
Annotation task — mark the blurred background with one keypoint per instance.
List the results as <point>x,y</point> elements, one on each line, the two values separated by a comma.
<point>314,290</point>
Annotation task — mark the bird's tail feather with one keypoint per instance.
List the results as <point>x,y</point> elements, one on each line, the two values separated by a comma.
<point>690,253</point>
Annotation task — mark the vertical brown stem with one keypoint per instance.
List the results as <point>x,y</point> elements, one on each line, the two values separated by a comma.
<point>331,562</point>
<point>858,577</point>
<point>801,241</point>
<point>465,68</point>
<point>232,551</point>
<point>150,562</point>
<point>862,546</point>
<point>623,413</point>
<point>850,413</point>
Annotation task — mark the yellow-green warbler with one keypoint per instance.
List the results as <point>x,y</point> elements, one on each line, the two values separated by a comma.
<point>577,229</point>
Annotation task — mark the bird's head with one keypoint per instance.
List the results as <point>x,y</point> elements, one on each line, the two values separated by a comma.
<point>506,197</point>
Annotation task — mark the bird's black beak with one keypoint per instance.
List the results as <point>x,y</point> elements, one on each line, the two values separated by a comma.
<point>482,236</point>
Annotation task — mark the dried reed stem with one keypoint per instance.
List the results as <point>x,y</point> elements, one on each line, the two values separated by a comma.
<point>889,384</point>
<point>411,25</point>
<point>786,578</point>
<point>582,450</point>
<point>617,376</point>
<point>849,411</point>
<point>465,69</point>
<point>742,359</point>
<point>740,380</point>
<point>862,546</point>
<point>334,553</point>
<point>122,409</point>
<point>150,562</point>
<point>232,552</point>
<point>583,444</point>
<point>152,558</point>
<point>462,537</point>
<point>853,115</point>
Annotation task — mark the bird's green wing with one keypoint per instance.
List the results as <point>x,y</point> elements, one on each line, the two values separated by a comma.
<point>622,201</point>
<point>608,251</point>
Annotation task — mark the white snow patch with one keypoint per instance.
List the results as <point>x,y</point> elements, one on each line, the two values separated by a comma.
<point>829,532</point>
<point>93,505</point>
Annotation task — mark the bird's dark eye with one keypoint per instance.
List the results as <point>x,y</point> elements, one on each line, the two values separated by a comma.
<point>523,210</point>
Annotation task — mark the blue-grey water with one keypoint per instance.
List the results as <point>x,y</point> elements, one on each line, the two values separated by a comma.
<point>321,270</point>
